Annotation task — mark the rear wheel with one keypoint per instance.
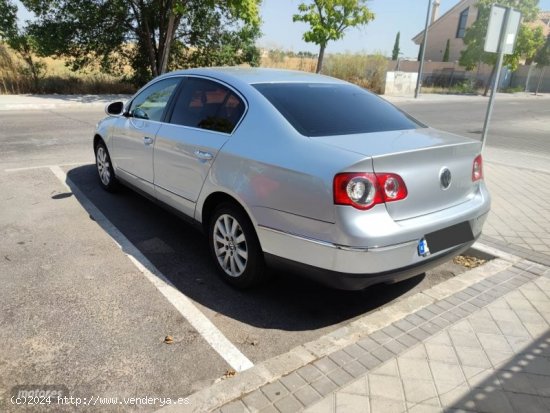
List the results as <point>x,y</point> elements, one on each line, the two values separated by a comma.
<point>104,167</point>
<point>235,247</point>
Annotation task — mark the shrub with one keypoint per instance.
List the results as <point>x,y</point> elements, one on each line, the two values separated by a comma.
<point>515,89</point>
<point>466,87</point>
<point>368,71</point>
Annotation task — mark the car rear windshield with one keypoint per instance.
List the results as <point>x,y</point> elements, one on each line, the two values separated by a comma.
<point>322,109</point>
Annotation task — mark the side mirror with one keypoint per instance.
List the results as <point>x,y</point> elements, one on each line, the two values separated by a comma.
<point>114,109</point>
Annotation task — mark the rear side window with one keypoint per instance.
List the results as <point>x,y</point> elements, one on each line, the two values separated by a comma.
<point>320,109</point>
<point>207,105</point>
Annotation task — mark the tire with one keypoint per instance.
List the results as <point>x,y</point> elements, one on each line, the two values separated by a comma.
<point>235,247</point>
<point>104,168</point>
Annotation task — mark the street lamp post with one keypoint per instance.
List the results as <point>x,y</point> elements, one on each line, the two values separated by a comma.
<point>424,44</point>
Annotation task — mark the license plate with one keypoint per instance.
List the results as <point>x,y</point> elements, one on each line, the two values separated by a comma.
<point>448,237</point>
<point>423,248</point>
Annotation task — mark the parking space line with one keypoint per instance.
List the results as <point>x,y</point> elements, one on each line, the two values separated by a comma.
<point>29,168</point>
<point>231,354</point>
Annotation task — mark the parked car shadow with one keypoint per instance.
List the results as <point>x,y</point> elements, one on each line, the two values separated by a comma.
<point>179,250</point>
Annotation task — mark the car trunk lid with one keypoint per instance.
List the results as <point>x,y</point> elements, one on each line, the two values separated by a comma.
<point>420,157</point>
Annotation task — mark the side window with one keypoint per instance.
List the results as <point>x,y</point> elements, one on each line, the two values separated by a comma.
<point>207,105</point>
<point>150,103</point>
<point>462,21</point>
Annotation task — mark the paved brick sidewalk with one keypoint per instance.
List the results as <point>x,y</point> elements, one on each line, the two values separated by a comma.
<point>519,221</point>
<point>496,360</point>
<point>485,348</point>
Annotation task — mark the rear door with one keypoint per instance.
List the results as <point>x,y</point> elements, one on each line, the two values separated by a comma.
<point>204,117</point>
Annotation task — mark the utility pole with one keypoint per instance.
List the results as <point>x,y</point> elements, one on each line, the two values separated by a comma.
<point>424,44</point>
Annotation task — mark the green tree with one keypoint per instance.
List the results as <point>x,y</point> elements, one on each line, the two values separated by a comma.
<point>542,58</point>
<point>329,19</point>
<point>447,51</point>
<point>152,35</point>
<point>527,42</point>
<point>396,49</point>
<point>21,42</point>
<point>420,51</point>
<point>8,19</point>
<point>26,46</point>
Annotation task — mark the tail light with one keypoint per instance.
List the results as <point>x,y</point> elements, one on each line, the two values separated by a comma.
<point>365,190</point>
<point>477,169</point>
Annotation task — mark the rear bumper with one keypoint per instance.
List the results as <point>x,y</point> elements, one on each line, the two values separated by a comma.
<point>349,281</point>
<point>365,242</point>
<point>359,261</point>
<point>362,249</point>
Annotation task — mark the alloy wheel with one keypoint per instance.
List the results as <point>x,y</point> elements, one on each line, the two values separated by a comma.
<point>103,166</point>
<point>230,245</point>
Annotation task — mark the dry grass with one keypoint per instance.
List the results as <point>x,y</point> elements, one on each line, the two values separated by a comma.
<point>55,77</point>
<point>367,71</point>
<point>305,64</point>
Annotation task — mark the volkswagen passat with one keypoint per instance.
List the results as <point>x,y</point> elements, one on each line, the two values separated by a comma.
<point>290,168</point>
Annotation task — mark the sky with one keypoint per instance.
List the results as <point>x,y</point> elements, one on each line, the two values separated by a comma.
<point>391,16</point>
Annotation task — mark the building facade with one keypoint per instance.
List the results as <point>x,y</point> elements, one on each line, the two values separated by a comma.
<point>450,26</point>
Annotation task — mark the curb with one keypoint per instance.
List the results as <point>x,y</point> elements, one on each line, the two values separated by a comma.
<point>440,97</point>
<point>225,391</point>
<point>49,102</point>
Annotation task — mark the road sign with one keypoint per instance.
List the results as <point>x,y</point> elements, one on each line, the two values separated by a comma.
<point>498,26</point>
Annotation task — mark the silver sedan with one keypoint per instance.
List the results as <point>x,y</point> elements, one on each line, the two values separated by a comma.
<point>297,170</point>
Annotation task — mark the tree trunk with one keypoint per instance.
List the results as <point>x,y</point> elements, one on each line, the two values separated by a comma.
<point>320,58</point>
<point>34,72</point>
<point>26,54</point>
<point>541,76</point>
<point>165,50</point>
<point>148,40</point>
<point>490,81</point>
<point>144,35</point>
<point>526,89</point>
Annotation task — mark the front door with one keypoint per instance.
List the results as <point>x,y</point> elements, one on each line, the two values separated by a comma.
<point>134,135</point>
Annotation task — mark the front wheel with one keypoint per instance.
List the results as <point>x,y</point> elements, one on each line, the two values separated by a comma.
<point>235,247</point>
<point>105,169</point>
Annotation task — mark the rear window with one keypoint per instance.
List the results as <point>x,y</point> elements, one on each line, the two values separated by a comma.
<point>320,109</point>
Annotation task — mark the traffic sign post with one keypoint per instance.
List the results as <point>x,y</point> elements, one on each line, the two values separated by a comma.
<point>501,38</point>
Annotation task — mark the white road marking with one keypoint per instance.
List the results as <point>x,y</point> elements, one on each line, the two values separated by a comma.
<point>237,360</point>
<point>28,168</point>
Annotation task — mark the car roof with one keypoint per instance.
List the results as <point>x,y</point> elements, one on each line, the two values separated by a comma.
<point>253,75</point>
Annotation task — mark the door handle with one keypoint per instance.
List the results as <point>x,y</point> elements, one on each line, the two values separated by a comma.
<point>148,141</point>
<point>203,156</point>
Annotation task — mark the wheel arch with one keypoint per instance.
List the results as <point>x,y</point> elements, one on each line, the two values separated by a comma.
<point>211,203</point>
<point>97,139</point>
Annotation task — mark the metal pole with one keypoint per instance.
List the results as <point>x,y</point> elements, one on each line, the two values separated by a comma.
<point>424,44</point>
<point>500,52</point>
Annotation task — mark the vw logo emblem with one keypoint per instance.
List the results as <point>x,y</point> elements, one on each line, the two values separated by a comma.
<point>445,178</point>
